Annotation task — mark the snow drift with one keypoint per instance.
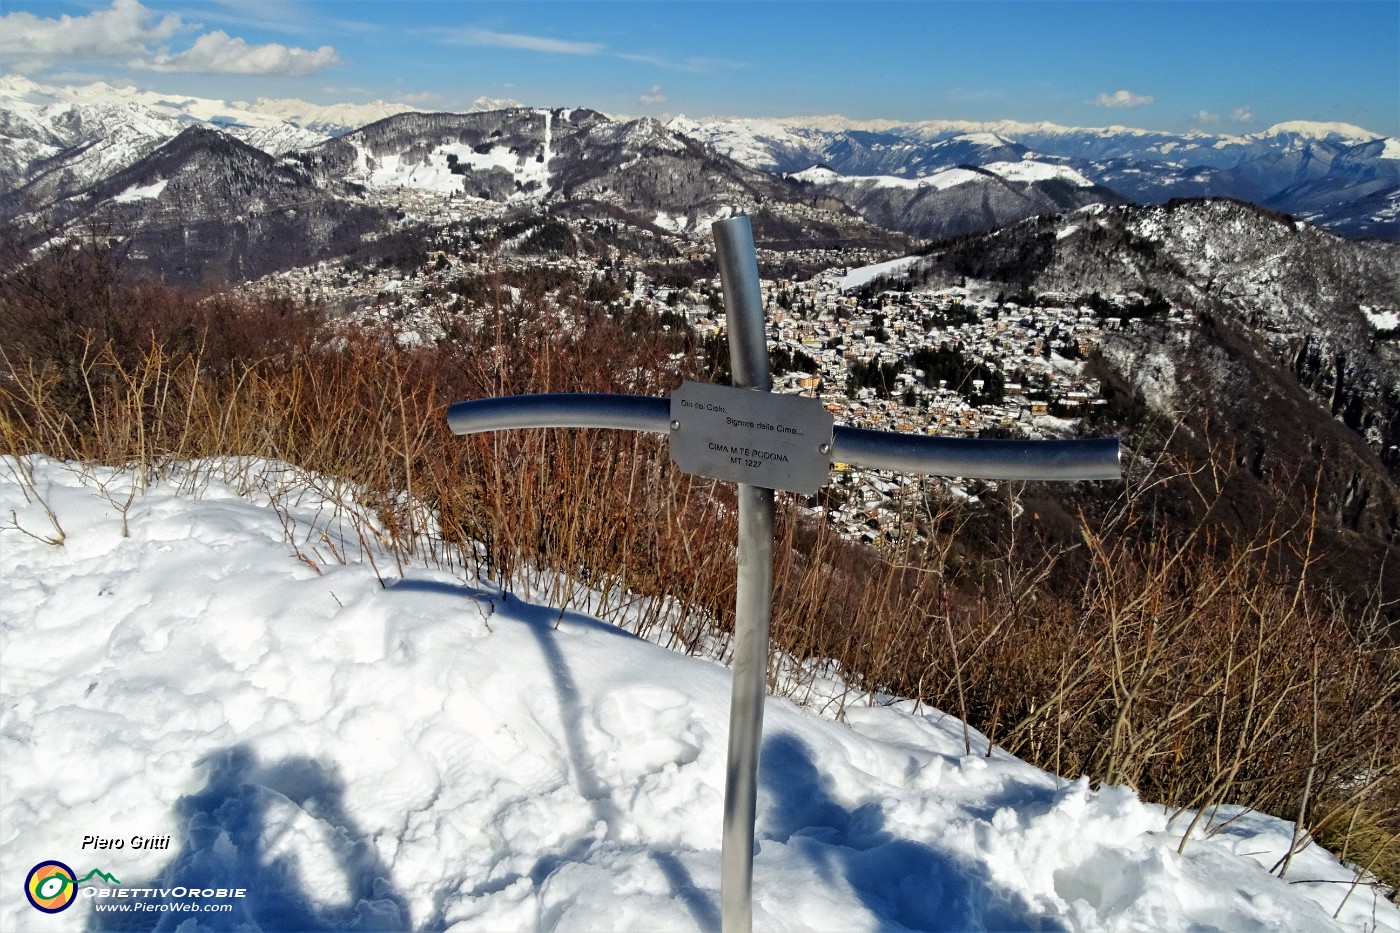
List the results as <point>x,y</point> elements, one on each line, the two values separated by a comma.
<point>432,753</point>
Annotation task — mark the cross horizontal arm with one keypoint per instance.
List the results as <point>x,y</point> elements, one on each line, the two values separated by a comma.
<point>972,458</point>
<point>562,410</point>
<point>978,458</point>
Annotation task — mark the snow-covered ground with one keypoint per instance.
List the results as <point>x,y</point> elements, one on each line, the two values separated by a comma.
<point>1382,318</point>
<point>1030,170</point>
<point>192,663</point>
<point>143,193</point>
<point>855,278</point>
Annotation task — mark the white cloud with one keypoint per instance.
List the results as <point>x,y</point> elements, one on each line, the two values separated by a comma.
<point>1242,115</point>
<point>1123,99</point>
<point>1205,116</point>
<point>132,34</point>
<point>127,29</point>
<point>494,103</point>
<point>506,40</point>
<point>219,53</point>
<point>652,98</point>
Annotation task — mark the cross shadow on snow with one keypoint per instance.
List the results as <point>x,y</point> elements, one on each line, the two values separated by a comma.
<point>702,906</point>
<point>905,884</point>
<point>229,838</point>
<point>410,585</point>
<point>543,616</point>
<point>543,623</point>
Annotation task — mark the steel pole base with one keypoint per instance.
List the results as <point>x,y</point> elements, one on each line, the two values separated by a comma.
<point>752,610</point>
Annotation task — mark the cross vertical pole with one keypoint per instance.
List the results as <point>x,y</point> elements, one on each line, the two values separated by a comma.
<point>753,602</point>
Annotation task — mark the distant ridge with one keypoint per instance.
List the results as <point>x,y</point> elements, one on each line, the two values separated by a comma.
<point>839,123</point>
<point>1335,175</point>
<point>60,147</point>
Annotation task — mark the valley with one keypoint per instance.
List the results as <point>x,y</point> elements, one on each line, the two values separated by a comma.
<point>1034,297</point>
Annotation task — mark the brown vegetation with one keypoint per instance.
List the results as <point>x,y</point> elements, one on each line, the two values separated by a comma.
<point>1175,660</point>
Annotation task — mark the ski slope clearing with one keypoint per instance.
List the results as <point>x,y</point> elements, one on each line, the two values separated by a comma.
<point>855,278</point>
<point>434,754</point>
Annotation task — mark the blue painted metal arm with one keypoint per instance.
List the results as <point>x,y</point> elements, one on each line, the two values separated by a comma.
<point>973,458</point>
<point>562,410</point>
<point>978,458</point>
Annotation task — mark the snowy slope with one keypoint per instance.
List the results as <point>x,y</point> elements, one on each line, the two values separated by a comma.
<point>1027,170</point>
<point>433,754</point>
<point>1031,170</point>
<point>65,144</point>
<point>432,170</point>
<point>855,278</point>
<point>320,120</point>
<point>80,135</point>
<point>942,180</point>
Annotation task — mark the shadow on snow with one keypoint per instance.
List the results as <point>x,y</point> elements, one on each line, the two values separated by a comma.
<point>227,839</point>
<point>906,885</point>
<point>229,831</point>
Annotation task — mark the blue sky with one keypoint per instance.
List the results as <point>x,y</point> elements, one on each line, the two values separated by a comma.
<point>1217,66</point>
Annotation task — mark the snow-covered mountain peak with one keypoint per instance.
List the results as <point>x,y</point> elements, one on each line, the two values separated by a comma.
<point>100,94</point>
<point>96,129</point>
<point>1346,132</point>
<point>753,142</point>
<point>816,175</point>
<point>332,119</point>
<point>1029,170</point>
<point>15,87</point>
<point>12,85</point>
<point>990,140</point>
<point>262,113</point>
<point>648,131</point>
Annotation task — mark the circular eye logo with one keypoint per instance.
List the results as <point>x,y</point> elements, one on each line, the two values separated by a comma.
<point>51,886</point>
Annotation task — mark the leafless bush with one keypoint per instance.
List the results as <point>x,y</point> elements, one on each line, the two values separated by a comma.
<point>1181,661</point>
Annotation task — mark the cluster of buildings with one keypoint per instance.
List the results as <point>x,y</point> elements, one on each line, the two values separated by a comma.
<point>1024,363</point>
<point>1031,357</point>
<point>1018,367</point>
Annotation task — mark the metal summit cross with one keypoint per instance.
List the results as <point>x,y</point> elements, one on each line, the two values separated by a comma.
<point>761,441</point>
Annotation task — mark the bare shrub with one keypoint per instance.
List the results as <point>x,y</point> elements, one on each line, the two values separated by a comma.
<point>1202,668</point>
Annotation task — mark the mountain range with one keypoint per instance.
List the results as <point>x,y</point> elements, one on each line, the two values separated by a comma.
<point>1336,175</point>
<point>1285,243</point>
<point>139,161</point>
